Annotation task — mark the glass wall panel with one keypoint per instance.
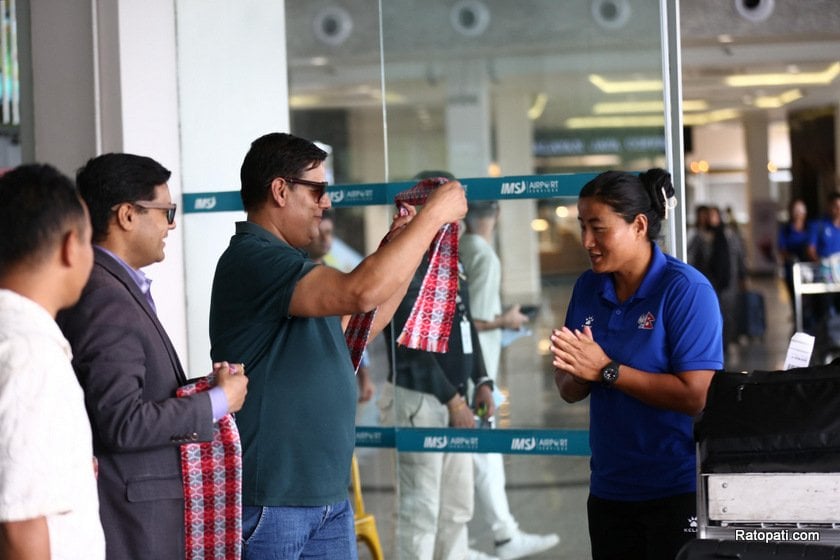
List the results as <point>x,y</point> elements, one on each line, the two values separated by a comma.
<point>529,88</point>
<point>508,96</point>
<point>484,89</point>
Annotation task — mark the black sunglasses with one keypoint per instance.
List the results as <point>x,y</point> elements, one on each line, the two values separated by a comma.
<point>318,188</point>
<point>170,208</point>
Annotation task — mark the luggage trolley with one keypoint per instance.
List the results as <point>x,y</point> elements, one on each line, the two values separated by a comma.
<point>814,279</point>
<point>809,280</point>
<point>768,448</point>
<point>769,507</point>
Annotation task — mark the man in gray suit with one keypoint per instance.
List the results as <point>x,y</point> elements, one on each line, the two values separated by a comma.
<point>128,368</point>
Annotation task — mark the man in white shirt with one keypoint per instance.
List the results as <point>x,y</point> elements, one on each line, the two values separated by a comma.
<point>48,500</point>
<point>484,272</point>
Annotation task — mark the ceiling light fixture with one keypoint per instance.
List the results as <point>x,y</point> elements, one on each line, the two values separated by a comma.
<point>650,121</point>
<point>692,105</point>
<point>771,102</point>
<point>626,86</point>
<point>698,119</point>
<point>539,224</point>
<point>619,107</point>
<point>536,109</point>
<point>304,101</point>
<point>785,79</point>
<point>623,107</point>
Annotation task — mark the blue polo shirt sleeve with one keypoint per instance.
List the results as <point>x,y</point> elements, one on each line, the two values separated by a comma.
<point>696,344</point>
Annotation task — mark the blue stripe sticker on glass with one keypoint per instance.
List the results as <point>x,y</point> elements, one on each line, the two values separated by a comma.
<point>513,187</point>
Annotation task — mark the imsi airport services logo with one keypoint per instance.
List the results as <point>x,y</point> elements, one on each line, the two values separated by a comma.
<point>535,186</point>
<point>205,203</point>
<point>513,187</point>
<point>523,444</point>
<point>539,445</point>
<point>435,442</point>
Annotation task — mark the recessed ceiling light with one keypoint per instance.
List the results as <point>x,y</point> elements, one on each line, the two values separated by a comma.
<point>620,107</point>
<point>774,102</point>
<point>696,119</point>
<point>537,108</point>
<point>784,79</point>
<point>648,121</point>
<point>625,86</point>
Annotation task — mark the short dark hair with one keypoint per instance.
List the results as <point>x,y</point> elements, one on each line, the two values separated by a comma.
<point>111,179</point>
<point>629,195</point>
<point>274,155</point>
<point>480,210</point>
<point>38,206</point>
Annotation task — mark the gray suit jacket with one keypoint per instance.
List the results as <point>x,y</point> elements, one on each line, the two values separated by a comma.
<point>129,371</point>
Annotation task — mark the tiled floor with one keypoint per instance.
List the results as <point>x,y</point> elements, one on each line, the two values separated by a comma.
<point>548,493</point>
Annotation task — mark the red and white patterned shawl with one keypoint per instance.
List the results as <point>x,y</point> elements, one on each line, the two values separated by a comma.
<point>212,474</point>
<point>430,322</point>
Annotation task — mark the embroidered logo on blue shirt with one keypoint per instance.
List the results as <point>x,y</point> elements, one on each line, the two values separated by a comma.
<point>646,321</point>
<point>589,321</point>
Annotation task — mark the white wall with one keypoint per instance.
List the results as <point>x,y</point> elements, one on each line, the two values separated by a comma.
<point>232,82</point>
<point>148,125</point>
<point>721,144</point>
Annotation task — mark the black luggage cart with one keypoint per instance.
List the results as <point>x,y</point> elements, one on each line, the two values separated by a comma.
<point>768,446</point>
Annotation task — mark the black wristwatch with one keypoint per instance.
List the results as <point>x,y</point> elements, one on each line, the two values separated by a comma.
<point>609,373</point>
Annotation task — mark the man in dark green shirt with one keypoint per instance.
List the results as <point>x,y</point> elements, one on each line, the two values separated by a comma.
<point>283,316</point>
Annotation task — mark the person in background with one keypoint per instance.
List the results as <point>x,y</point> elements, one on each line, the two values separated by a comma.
<point>792,242</point>
<point>823,244</point>
<point>128,367</point>
<point>824,240</point>
<point>730,222</point>
<point>318,251</point>
<point>484,272</point>
<point>642,339</point>
<point>708,249</point>
<point>279,312</point>
<point>429,390</point>
<point>717,252</point>
<point>48,501</point>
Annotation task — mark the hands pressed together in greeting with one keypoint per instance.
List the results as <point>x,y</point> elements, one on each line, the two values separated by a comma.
<point>576,353</point>
<point>577,362</point>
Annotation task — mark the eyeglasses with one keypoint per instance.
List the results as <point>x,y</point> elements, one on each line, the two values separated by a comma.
<point>318,188</point>
<point>170,208</point>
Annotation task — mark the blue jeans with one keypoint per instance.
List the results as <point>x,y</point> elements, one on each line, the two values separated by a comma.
<point>289,533</point>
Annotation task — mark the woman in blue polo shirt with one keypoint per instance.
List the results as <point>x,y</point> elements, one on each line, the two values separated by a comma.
<point>642,338</point>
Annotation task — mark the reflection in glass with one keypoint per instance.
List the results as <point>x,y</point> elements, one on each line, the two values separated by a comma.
<point>484,88</point>
<point>501,88</point>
